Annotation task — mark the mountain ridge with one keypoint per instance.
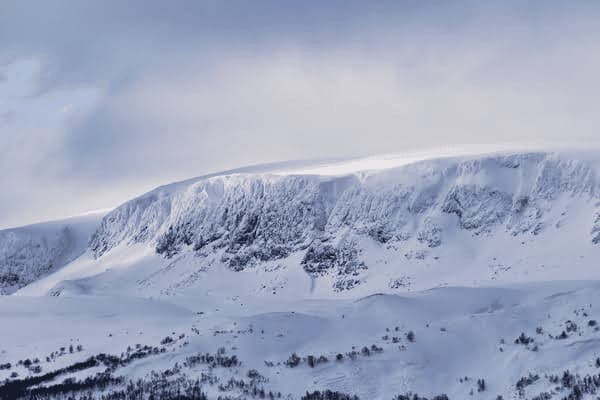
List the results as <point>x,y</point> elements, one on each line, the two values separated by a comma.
<point>469,276</point>
<point>380,229</point>
<point>33,251</point>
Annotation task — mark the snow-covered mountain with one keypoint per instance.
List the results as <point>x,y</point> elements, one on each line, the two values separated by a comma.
<point>463,276</point>
<point>349,229</point>
<point>30,252</point>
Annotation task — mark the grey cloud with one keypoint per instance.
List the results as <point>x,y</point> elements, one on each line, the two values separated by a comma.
<point>184,88</point>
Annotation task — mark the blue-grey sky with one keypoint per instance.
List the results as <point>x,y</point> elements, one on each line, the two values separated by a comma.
<point>103,100</point>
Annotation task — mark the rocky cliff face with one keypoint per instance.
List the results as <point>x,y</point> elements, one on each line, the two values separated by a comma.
<point>31,252</point>
<point>250,218</point>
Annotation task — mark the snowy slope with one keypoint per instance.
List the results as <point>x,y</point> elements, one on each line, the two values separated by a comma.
<point>510,338</point>
<point>472,276</point>
<point>350,230</point>
<point>30,252</point>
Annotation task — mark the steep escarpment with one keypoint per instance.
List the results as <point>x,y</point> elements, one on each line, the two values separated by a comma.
<point>250,217</point>
<point>30,252</point>
<point>243,220</point>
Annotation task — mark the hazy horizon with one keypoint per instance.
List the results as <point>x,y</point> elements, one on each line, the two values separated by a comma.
<point>101,101</point>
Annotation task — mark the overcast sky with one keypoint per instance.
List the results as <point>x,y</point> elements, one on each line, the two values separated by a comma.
<point>103,100</point>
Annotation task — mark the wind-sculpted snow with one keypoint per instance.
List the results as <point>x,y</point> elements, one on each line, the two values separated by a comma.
<point>530,342</point>
<point>477,207</point>
<point>31,252</point>
<point>452,278</point>
<point>256,217</point>
<point>249,218</point>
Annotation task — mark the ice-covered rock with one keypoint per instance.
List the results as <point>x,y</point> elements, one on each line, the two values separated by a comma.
<point>457,219</point>
<point>30,252</point>
<point>250,218</point>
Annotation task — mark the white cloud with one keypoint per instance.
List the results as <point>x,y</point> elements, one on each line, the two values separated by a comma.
<point>32,142</point>
<point>136,99</point>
